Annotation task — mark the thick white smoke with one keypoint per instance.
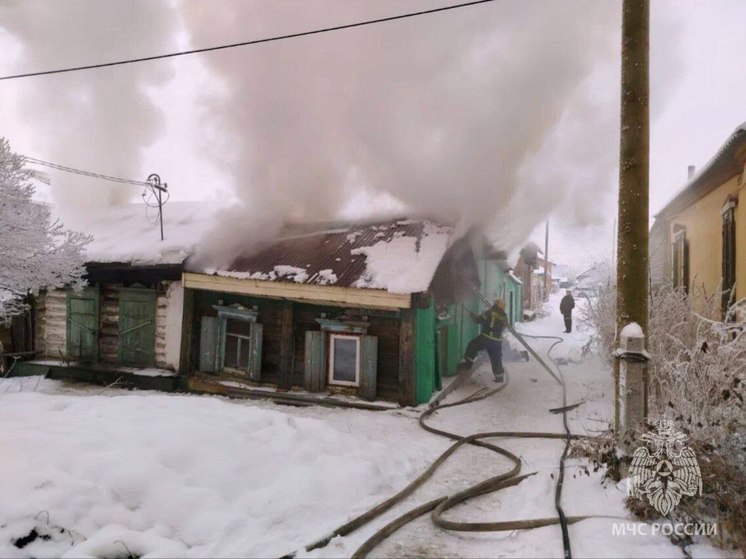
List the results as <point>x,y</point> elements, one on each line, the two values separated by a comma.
<point>493,115</point>
<point>456,115</point>
<point>97,119</point>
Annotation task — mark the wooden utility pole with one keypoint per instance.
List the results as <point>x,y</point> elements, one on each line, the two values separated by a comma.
<point>632,235</point>
<point>613,248</point>
<point>547,287</point>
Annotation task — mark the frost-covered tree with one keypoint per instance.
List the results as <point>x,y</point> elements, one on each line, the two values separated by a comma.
<point>35,250</point>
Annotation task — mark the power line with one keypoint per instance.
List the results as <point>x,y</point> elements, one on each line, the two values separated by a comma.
<point>67,169</point>
<point>247,43</point>
<point>152,196</point>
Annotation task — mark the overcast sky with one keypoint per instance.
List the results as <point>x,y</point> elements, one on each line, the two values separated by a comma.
<point>426,111</point>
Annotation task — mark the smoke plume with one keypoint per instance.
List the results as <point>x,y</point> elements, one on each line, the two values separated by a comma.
<point>469,115</point>
<point>97,119</point>
<point>493,115</point>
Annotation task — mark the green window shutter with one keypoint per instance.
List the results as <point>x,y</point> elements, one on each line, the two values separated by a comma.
<point>729,261</point>
<point>209,344</point>
<point>82,325</point>
<point>315,370</point>
<point>137,327</point>
<point>255,352</point>
<point>368,366</point>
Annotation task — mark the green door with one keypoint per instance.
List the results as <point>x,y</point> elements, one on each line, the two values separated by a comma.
<point>82,325</point>
<point>137,327</point>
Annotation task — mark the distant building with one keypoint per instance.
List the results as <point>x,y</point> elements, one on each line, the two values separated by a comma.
<point>591,281</point>
<point>543,274</point>
<point>526,270</point>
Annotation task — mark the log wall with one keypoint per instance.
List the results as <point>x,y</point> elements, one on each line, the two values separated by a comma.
<point>168,319</point>
<point>51,324</point>
<point>108,340</point>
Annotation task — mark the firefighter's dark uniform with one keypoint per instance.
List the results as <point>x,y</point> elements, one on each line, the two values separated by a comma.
<point>492,321</point>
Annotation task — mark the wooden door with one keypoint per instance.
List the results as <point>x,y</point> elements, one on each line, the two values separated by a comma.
<point>82,325</point>
<point>137,327</point>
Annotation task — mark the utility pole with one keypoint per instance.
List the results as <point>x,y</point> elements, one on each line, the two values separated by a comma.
<point>632,236</point>
<point>158,188</point>
<point>546,261</point>
<point>613,247</point>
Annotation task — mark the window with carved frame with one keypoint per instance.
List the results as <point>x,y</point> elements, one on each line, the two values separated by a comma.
<point>728,213</point>
<point>680,258</point>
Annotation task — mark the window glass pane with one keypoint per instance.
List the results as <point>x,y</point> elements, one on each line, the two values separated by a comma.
<point>242,327</point>
<point>231,351</point>
<point>345,359</point>
<point>243,354</point>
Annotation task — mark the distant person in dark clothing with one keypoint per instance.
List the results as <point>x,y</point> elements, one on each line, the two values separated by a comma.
<point>492,322</point>
<point>566,307</point>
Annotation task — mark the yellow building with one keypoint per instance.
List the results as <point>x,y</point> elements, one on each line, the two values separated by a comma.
<point>699,238</point>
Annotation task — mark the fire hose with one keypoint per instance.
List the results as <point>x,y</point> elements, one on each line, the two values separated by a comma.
<point>438,507</point>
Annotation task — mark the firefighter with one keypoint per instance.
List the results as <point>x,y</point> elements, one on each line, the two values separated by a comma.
<point>492,323</point>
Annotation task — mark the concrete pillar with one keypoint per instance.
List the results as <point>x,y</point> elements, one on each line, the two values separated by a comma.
<point>632,373</point>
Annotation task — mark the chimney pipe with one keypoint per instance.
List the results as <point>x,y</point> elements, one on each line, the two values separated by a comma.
<point>690,171</point>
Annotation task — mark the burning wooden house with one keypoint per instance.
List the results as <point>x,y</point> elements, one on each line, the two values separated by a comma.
<point>375,310</point>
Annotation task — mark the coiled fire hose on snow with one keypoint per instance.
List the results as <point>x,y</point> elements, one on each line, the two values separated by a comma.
<point>438,507</point>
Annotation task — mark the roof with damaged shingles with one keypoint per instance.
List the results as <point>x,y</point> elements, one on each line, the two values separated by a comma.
<point>400,256</point>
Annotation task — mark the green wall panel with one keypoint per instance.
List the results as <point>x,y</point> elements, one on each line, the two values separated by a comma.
<point>460,328</point>
<point>426,373</point>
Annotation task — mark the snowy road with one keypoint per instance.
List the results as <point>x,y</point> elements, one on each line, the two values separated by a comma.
<point>103,473</point>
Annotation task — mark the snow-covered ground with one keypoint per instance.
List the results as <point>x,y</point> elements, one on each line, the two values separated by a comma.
<point>105,473</point>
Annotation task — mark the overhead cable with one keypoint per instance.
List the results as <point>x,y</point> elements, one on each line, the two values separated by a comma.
<point>246,43</point>
<point>67,169</point>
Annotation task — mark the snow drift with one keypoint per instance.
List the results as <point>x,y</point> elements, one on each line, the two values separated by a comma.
<point>170,476</point>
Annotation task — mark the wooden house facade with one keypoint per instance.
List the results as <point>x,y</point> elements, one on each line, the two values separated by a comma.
<point>125,323</point>
<point>376,311</point>
<point>125,326</point>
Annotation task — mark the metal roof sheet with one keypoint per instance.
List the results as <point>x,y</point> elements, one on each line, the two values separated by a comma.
<point>328,256</point>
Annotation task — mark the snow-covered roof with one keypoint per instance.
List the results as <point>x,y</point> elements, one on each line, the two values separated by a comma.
<point>126,234</point>
<point>600,272</point>
<point>727,162</point>
<point>514,277</point>
<point>399,256</point>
